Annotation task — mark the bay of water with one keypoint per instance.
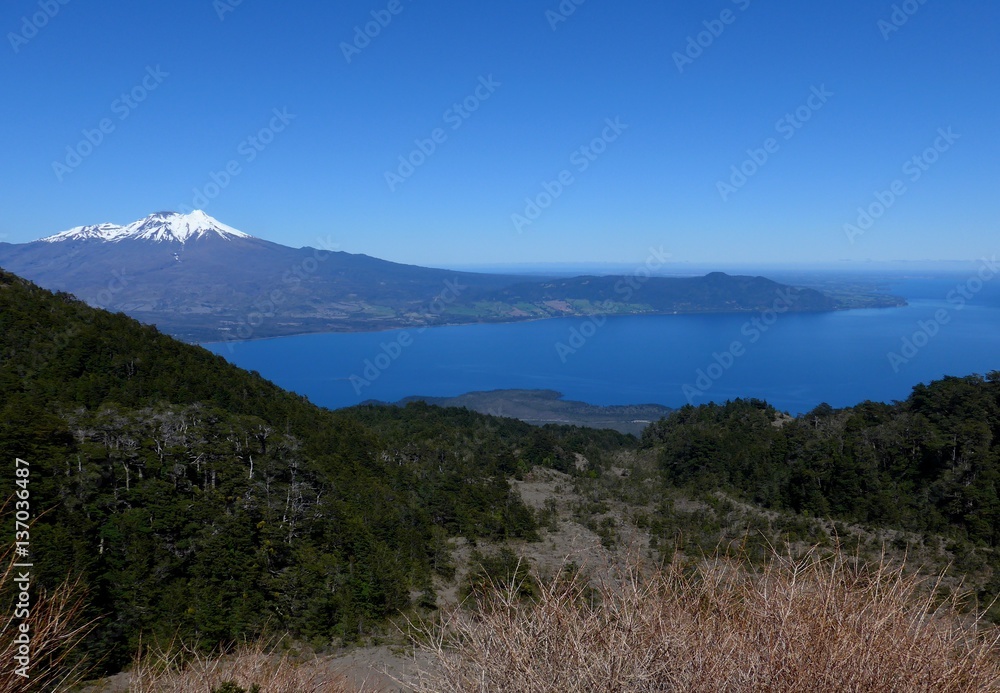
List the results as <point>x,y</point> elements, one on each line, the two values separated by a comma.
<point>799,361</point>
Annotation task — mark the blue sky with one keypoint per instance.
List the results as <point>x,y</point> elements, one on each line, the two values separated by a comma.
<point>212,75</point>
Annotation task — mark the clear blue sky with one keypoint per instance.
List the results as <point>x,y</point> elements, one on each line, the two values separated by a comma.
<point>211,83</point>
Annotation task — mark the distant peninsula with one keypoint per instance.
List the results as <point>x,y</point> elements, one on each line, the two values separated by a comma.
<point>540,407</point>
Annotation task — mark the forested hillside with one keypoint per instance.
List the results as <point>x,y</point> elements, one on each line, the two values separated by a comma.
<point>197,499</point>
<point>929,464</point>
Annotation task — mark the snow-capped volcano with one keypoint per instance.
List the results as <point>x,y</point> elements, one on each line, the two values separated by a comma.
<point>170,227</point>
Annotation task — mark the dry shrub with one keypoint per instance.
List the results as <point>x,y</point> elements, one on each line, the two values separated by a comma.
<point>181,669</point>
<point>817,623</point>
<point>56,628</point>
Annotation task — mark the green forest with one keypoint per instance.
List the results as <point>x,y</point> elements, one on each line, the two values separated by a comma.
<point>200,501</point>
<point>930,464</point>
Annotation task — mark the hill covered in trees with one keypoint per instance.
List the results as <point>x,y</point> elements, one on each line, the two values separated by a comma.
<point>928,464</point>
<point>197,500</point>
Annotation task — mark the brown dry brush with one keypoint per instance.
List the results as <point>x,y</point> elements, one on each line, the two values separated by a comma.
<point>56,628</point>
<point>178,668</point>
<point>815,623</point>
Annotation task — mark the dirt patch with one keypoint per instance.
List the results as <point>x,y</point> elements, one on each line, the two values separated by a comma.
<point>374,669</point>
<point>381,669</point>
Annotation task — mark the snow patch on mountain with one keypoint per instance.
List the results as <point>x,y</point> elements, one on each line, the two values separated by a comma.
<point>103,232</point>
<point>168,227</point>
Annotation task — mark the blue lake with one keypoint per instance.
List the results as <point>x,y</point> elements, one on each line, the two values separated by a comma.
<point>796,362</point>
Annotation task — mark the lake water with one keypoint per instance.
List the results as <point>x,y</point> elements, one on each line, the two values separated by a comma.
<point>796,362</point>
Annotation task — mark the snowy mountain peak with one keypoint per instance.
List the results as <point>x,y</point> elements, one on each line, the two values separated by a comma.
<point>170,227</point>
<point>103,232</point>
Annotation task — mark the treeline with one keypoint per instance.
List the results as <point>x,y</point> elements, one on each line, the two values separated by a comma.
<point>929,464</point>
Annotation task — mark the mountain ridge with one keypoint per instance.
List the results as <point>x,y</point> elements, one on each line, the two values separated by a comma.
<point>202,281</point>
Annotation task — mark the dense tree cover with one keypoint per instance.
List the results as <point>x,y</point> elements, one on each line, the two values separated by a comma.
<point>201,500</point>
<point>928,464</point>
